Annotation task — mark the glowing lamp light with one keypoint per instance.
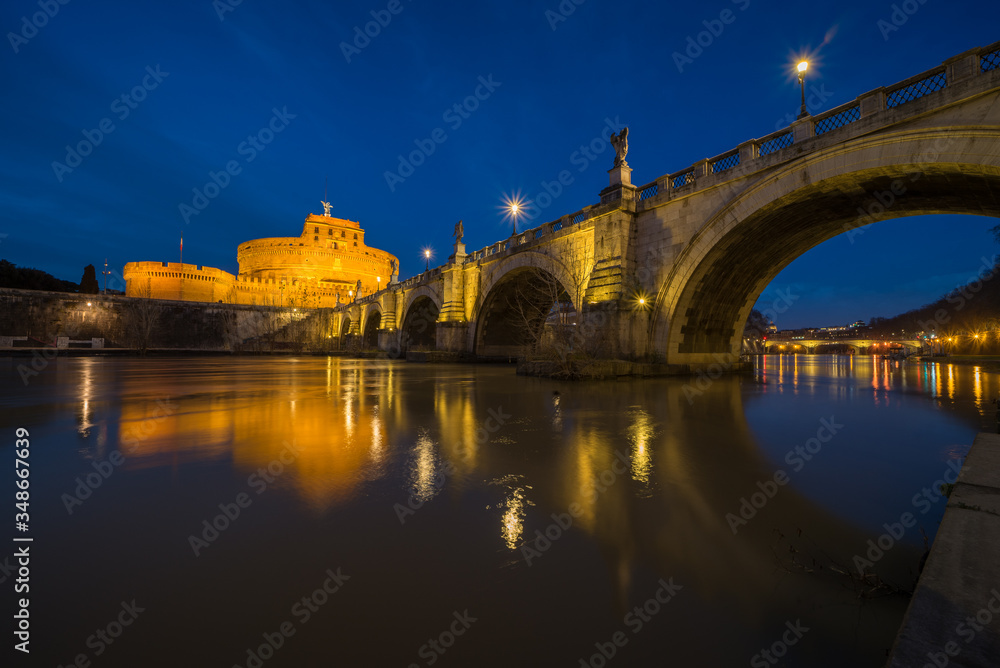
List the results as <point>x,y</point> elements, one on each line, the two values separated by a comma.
<point>88,303</point>
<point>803,66</point>
<point>642,300</point>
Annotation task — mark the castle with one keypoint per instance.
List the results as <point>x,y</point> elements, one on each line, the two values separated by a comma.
<point>320,268</point>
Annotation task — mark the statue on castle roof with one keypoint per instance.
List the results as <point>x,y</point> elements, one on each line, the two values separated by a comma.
<point>326,209</point>
<point>620,143</point>
<point>458,233</point>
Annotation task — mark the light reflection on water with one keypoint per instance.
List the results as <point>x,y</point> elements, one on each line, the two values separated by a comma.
<point>649,471</point>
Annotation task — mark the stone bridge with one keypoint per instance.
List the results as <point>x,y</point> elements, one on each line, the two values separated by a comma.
<point>859,345</point>
<point>670,270</point>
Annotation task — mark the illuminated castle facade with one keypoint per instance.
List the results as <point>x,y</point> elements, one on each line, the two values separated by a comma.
<point>319,268</point>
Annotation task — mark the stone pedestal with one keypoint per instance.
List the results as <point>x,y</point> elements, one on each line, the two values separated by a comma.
<point>458,257</point>
<point>620,175</point>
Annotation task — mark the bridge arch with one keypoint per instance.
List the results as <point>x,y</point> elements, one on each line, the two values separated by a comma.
<point>535,260</point>
<point>371,323</point>
<point>702,304</point>
<point>418,321</point>
<point>517,304</point>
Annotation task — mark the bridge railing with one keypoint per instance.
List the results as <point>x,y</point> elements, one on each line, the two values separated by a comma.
<point>960,68</point>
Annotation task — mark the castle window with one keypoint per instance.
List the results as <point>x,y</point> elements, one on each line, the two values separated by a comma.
<point>316,230</point>
<point>343,234</point>
<point>355,243</point>
<point>329,232</point>
<point>315,238</point>
<point>355,236</point>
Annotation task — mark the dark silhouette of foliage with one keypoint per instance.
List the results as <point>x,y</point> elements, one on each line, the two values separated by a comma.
<point>24,278</point>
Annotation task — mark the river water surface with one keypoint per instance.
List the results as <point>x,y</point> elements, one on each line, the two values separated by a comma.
<point>461,515</point>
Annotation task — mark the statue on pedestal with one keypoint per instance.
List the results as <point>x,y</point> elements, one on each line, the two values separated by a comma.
<point>357,291</point>
<point>326,209</point>
<point>458,233</point>
<point>620,144</point>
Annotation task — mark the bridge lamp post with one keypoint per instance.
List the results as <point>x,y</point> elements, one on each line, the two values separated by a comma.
<point>427,258</point>
<point>515,209</point>
<point>802,67</point>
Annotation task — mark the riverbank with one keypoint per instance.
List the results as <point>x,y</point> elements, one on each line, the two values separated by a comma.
<point>954,615</point>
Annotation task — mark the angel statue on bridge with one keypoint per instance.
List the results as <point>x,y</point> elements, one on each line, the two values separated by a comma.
<point>357,291</point>
<point>620,143</point>
<point>459,232</point>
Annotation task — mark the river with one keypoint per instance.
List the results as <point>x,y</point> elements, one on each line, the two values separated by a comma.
<point>313,511</point>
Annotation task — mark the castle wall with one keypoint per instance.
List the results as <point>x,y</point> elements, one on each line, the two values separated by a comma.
<point>308,271</point>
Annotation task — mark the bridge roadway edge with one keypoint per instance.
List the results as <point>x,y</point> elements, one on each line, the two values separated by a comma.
<point>961,579</point>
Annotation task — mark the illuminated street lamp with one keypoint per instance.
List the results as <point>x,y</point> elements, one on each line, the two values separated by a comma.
<point>379,280</point>
<point>427,258</point>
<point>802,67</point>
<point>515,209</point>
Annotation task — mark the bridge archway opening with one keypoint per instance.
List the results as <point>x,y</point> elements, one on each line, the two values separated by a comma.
<point>528,311</point>
<point>419,330</point>
<point>372,324</point>
<point>754,244</point>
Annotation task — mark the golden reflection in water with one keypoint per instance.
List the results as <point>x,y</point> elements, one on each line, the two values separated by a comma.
<point>423,468</point>
<point>461,433</point>
<point>593,457</point>
<point>977,388</point>
<point>85,415</point>
<point>513,518</point>
<point>640,436</point>
<point>951,381</point>
<point>377,449</point>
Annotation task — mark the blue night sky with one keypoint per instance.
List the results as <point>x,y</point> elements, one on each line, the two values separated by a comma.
<point>212,82</point>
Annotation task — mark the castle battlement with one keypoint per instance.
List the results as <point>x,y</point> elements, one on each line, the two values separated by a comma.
<point>311,270</point>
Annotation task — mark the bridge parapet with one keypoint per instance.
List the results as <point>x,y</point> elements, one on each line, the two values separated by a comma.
<point>743,159</point>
